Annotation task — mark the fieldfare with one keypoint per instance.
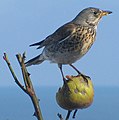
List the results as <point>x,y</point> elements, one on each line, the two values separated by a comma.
<point>71,41</point>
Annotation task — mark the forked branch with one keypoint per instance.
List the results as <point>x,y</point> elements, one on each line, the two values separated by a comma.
<point>27,87</point>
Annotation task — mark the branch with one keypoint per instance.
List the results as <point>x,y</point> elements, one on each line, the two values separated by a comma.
<point>60,116</point>
<point>28,89</point>
<point>5,57</point>
<point>74,115</point>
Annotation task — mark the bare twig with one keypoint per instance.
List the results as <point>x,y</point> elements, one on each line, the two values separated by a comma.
<point>5,57</point>
<point>68,114</point>
<point>27,81</point>
<point>60,116</point>
<point>74,114</point>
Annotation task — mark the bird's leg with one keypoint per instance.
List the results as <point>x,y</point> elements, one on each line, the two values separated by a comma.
<point>68,115</point>
<point>75,69</point>
<point>60,67</point>
<point>74,115</point>
<point>84,76</point>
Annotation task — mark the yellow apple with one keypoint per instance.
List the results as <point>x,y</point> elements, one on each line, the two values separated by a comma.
<point>77,93</point>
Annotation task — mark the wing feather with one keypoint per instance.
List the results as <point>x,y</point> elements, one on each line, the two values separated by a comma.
<point>58,36</point>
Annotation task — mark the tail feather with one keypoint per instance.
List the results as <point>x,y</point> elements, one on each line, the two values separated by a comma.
<point>34,61</point>
<point>37,44</point>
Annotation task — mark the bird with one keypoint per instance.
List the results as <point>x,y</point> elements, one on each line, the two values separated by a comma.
<point>71,41</point>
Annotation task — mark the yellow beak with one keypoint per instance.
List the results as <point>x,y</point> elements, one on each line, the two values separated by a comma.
<point>105,12</point>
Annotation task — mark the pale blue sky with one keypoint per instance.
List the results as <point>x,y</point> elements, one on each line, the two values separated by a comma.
<point>23,22</point>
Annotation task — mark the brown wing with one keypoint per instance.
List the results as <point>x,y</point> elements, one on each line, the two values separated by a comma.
<point>59,35</point>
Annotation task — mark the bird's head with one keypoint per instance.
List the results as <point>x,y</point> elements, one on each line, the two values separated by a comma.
<point>90,16</point>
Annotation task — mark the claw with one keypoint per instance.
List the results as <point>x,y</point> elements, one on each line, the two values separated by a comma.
<point>85,78</point>
<point>79,73</point>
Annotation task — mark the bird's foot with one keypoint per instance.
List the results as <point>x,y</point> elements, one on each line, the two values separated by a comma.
<point>85,77</point>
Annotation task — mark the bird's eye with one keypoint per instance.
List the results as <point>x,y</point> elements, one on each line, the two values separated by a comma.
<point>95,13</point>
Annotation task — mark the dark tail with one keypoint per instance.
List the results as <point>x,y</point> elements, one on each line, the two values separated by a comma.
<point>37,44</point>
<point>34,61</point>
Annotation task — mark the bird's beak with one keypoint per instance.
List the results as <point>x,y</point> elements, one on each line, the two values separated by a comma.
<point>103,13</point>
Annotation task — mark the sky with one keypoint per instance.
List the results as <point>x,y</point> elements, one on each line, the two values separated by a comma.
<point>23,22</point>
